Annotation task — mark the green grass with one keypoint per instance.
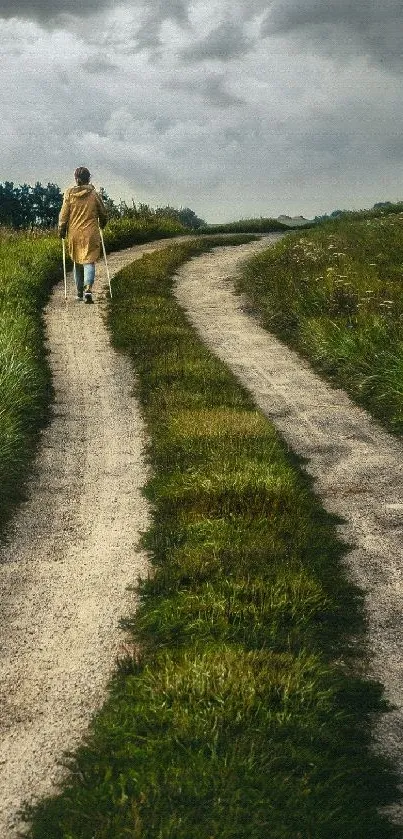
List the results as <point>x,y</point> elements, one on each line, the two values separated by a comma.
<point>251,225</point>
<point>126,232</point>
<point>239,711</point>
<point>29,265</point>
<point>335,294</point>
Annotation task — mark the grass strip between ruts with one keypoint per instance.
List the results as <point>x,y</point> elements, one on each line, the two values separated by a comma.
<point>241,714</point>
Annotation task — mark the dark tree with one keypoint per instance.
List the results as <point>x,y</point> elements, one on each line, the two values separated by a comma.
<point>11,212</point>
<point>25,206</point>
<point>190,219</point>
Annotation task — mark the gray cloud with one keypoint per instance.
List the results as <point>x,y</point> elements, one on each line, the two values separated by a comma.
<point>214,91</point>
<point>158,11</point>
<point>211,89</point>
<point>96,65</point>
<point>45,10</point>
<point>269,129</point>
<point>49,13</point>
<point>225,42</point>
<point>342,27</point>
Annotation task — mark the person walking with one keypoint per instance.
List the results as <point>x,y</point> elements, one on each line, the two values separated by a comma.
<point>82,214</point>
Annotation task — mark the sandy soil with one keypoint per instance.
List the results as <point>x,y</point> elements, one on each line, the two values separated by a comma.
<point>356,465</point>
<point>71,551</point>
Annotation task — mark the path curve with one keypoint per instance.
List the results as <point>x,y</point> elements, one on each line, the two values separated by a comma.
<point>356,465</point>
<point>70,552</point>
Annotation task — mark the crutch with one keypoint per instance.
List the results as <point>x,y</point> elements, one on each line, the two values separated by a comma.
<point>106,263</point>
<point>64,269</point>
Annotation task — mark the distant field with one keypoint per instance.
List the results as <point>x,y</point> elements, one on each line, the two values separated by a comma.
<point>254,225</point>
<point>335,293</point>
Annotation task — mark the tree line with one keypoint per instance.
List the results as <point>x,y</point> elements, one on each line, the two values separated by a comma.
<point>25,207</point>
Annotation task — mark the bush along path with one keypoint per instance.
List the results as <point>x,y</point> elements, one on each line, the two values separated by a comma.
<point>239,712</point>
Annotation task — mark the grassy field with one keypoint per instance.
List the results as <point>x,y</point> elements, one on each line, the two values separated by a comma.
<point>29,266</point>
<point>335,294</point>
<point>251,225</point>
<point>239,712</point>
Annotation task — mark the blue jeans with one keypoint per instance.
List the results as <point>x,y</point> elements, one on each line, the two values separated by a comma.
<point>84,275</point>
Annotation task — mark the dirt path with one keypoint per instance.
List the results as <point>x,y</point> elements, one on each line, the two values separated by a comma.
<point>357,467</point>
<point>72,549</point>
<point>70,553</point>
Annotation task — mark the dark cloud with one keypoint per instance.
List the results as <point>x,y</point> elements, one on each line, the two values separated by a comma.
<point>269,127</point>
<point>214,91</point>
<point>211,89</point>
<point>45,10</point>
<point>337,27</point>
<point>156,13</point>
<point>96,65</point>
<point>224,43</point>
<point>161,10</point>
<point>53,12</point>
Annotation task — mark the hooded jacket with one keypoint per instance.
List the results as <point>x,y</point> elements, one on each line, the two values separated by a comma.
<point>81,212</point>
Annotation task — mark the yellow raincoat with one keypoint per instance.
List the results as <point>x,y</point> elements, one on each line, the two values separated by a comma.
<point>81,211</point>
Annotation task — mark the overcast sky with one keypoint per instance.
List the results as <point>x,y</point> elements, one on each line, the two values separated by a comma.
<point>235,109</point>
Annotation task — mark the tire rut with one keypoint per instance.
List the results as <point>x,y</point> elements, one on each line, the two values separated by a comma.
<point>70,552</point>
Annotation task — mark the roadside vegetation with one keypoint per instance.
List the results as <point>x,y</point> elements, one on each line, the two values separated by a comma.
<point>335,294</point>
<point>134,230</point>
<point>238,711</point>
<point>382,208</point>
<point>26,207</point>
<point>29,265</point>
<point>251,225</point>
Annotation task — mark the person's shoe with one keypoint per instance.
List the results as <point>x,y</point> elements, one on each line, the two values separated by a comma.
<point>79,296</point>
<point>88,296</point>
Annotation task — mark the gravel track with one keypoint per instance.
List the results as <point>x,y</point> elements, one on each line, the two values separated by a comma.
<point>356,466</point>
<point>71,552</point>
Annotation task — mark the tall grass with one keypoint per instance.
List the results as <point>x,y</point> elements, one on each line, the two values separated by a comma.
<point>335,294</point>
<point>238,712</point>
<point>29,265</point>
<point>128,231</point>
<point>252,225</point>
